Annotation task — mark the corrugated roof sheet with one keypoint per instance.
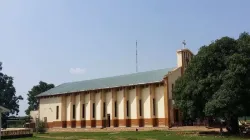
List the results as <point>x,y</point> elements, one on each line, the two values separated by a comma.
<point>115,81</point>
<point>3,109</point>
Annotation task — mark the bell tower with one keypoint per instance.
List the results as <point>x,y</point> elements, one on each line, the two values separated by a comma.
<point>183,57</point>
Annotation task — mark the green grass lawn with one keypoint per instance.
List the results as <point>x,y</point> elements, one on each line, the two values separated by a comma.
<point>143,135</point>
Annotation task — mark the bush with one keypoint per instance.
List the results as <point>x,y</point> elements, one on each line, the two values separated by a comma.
<point>41,127</point>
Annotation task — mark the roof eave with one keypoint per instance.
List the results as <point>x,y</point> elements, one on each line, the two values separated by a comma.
<point>100,88</point>
<point>3,109</point>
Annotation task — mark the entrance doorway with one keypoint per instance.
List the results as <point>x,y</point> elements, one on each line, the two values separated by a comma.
<point>176,114</point>
<point>108,120</point>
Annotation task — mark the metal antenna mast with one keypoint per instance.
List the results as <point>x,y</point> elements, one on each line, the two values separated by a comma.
<point>136,57</point>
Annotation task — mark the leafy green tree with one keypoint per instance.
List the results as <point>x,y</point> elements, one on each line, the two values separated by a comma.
<point>37,89</point>
<point>8,96</point>
<point>217,82</point>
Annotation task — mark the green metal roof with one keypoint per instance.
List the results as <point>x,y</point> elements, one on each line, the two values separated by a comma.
<point>3,109</point>
<point>109,82</point>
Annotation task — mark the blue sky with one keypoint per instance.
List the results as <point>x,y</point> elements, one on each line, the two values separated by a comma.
<point>69,40</point>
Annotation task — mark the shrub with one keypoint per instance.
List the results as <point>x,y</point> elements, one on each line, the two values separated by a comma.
<point>41,128</point>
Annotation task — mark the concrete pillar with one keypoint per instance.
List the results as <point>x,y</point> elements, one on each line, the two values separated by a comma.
<point>92,100</point>
<point>114,122</point>
<point>135,123</point>
<point>68,111</point>
<point>83,114</point>
<point>104,114</point>
<point>125,96</point>
<point>152,109</point>
<point>79,109</point>
<point>120,107</point>
<point>100,123</point>
<point>140,117</point>
<point>88,102</point>
<point>72,123</point>
<point>166,103</point>
<point>83,118</point>
<point>99,110</point>
<point>63,111</point>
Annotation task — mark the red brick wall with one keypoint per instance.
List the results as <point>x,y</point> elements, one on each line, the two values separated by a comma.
<point>102,123</point>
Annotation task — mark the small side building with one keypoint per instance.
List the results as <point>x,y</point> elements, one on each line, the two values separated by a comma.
<point>142,99</point>
<point>34,115</point>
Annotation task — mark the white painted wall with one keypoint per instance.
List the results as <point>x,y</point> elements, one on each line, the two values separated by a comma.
<point>132,100</point>
<point>145,96</point>
<point>171,80</point>
<point>109,103</point>
<point>47,108</point>
<point>159,98</point>
<point>120,103</point>
<point>87,106</point>
<point>68,108</point>
<point>34,114</point>
<point>98,106</point>
<point>179,59</point>
<point>78,107</point>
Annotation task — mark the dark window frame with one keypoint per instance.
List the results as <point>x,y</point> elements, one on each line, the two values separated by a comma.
<point>104,109</point>
<point>154,107</point>
<point>127,105</point>
<point>83,110</point>
<point>93,110</point>
<point>74,112</point>
<point>115,108</point>
<point>140,107</point>
<point>57,112</point>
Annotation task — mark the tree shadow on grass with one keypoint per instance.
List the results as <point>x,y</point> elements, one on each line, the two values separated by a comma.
<point>223,134</point>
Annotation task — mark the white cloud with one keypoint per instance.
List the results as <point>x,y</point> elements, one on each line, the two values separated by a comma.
<point>77,71</point>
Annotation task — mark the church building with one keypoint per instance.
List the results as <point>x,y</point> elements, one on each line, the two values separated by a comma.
<point>142,99</point>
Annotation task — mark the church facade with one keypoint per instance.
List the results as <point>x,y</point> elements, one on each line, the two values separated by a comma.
<point>142,99</point>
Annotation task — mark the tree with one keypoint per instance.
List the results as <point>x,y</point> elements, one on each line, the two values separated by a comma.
<point>8,96</point>
<point>37,89</point>
<point>217,82</point>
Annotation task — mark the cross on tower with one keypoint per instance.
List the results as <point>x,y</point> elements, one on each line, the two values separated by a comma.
<point>184,44</point>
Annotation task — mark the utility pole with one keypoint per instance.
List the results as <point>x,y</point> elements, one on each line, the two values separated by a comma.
<point>136,59</point>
